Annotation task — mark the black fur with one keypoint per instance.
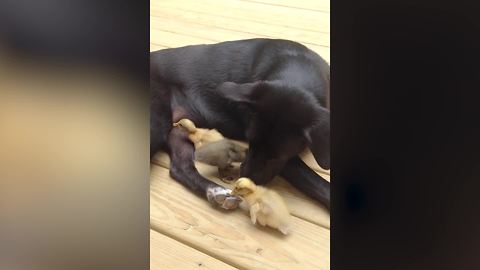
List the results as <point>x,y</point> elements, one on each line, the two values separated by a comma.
<point>271,93</point>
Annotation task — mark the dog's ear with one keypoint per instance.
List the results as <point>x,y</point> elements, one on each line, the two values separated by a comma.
<point>238,92</point>
<point>318,138</point>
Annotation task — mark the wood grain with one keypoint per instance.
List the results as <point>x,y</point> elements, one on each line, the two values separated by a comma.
<point>251,11</point>
<point>155,47</point>
<point>299,204</point>
<point>316,5</point>
<point>174,40</point>
<point>189,22</point>
<point>178,19</point>
<point>229,235</point>
<point>169,254</point>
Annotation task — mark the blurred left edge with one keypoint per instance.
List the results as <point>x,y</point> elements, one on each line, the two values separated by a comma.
<point>74,135</point>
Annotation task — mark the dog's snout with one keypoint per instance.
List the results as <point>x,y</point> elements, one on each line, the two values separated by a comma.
<point>260,178</point>
<point>261,174</point>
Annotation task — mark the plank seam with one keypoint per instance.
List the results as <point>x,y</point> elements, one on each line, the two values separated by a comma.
<point>244,19</point>
<point>158,44</point>
<point>299,217</point>
<point>228,29</point>
<point>185,35</point>
<point>280,5</point>
<point>196,247</point>
<point>176,240</point>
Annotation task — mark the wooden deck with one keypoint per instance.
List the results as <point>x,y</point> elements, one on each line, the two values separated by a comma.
<point>186,232</point>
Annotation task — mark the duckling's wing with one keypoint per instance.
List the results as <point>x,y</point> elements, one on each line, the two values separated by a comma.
<point>200,133</point>
<point>266,207</point>
<point>275,201</point>
<point>216,135</point>
<point>253,212</point>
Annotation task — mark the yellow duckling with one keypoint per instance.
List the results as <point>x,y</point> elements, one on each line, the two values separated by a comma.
<point>266,206</point>
<point>199,136</point>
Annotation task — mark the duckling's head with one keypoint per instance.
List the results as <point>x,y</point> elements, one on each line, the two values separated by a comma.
<point>187,124</point>
<point>243,186</point>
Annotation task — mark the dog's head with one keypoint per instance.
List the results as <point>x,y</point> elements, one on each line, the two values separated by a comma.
<point>285,120</point>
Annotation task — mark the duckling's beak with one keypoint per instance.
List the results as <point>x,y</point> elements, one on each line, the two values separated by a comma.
<point>234,191</point>
<point>175,124</point>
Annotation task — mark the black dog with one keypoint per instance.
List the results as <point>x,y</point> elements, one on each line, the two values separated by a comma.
<point>271,93</point>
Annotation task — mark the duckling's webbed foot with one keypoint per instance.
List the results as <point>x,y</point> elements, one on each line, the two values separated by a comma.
<point>222,197</point>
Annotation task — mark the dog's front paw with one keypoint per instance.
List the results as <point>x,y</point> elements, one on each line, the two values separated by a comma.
<point>222,197</point>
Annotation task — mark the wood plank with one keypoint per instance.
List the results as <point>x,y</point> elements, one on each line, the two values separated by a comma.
<point>163,34</point>
<point>174,40</point>
<point>250,11</point>
<point>308,158</point>
<point>318,5</point>
<point>177,20</point>
<point>198,30</point>
<point>156,47</point>
<point>169,254</point>
<point>299,204</point>
<point>229,235</point>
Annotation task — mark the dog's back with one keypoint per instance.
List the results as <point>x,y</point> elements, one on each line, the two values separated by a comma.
<point>241,61</point>
<point>195,72</point>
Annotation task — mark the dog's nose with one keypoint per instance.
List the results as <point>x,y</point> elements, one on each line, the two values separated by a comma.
<point>259,178</point>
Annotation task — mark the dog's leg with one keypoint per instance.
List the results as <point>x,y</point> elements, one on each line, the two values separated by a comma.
<point>182,169</point>
<point>160,117</point>
<point>160,127</point>
<point>307,181</point>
